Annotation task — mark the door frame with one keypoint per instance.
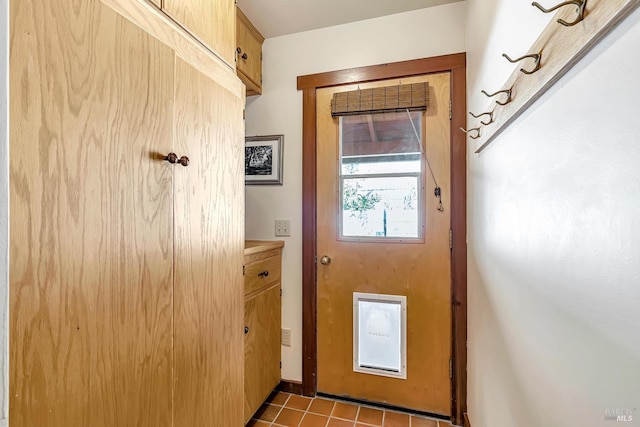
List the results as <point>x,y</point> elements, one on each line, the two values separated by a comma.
<point>309,84</point>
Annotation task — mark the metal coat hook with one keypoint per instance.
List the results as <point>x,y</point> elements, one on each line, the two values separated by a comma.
<point>490,114</point>
<point>477,130</point>
<point>580,4</point>
<point>536,56</point>
<point>507,91</point>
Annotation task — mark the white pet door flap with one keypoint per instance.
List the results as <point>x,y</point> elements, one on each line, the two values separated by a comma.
<point>379,334</point>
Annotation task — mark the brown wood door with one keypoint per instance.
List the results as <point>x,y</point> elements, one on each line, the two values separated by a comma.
<point>209,252</point>
<point>91,219</point>
<point>419,269</point>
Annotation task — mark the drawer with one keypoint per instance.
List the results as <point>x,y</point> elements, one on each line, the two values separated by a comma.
<point>261,273</point>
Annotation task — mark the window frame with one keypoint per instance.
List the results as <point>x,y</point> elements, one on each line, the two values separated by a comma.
<point>421,193</point>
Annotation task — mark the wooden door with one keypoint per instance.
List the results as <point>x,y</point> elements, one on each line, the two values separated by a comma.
<point>91,219</point>
<point>419,270</point>
<point>209,252</point>
<point>211,21</point>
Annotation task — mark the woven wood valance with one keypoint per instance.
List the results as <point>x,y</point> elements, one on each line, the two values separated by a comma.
<point>412,97</point>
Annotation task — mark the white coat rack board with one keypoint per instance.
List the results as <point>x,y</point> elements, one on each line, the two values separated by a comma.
<point>560,47</point>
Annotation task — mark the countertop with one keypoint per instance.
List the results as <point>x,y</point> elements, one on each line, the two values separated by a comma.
<point>255,246</point>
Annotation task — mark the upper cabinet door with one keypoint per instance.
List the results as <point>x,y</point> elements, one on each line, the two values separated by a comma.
<point>249,48</point>
<point>211,21</point>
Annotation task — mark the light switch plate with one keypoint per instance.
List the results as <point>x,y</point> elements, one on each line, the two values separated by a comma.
<point>286,337</point>
<point>283,227</point>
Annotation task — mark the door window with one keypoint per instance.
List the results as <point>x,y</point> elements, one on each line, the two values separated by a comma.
<point>381,178</point>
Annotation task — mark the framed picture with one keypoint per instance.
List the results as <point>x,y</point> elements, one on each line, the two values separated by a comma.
<point>263,159</point>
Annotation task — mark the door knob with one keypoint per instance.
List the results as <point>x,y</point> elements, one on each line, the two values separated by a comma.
<point>171,158</point>
<point>184,161</point>
<point>325,260</point>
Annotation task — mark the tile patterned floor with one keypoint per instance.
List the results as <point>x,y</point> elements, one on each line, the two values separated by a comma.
<point>291,410</point>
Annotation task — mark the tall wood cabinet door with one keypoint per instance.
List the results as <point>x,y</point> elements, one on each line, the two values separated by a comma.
<point>211,21</point>
<point>209,252</point>
<point>91,219</point>
<point>261,348</point>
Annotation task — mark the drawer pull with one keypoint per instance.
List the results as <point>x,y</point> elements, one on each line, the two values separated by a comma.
<point>246,330</point>
<point>263,273</point>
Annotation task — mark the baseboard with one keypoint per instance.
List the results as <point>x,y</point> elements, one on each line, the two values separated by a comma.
<point>294,387</point>
<point>467,423</point>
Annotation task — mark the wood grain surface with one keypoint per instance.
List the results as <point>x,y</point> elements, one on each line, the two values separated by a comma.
<point>257,247</point>
<point>255,277</point>
<point>91,219</point>
<point>209,252</point>
<point>561,47</point>
<point>211,21</point>
<point>155,22</point>
<point>249,41</point>
<point>421,271</point>
<point>262,315</point>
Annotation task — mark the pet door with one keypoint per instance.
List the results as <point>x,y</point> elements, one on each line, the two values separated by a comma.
<point>379,334</point>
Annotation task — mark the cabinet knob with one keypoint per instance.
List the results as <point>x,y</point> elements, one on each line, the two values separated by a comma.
<point>171,158</point>
<point>244,56</point>
<point>246,330</point>
<point>184,161</point>
<point>263,273</point>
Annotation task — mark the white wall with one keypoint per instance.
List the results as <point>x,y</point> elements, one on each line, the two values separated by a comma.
<point>554,234</point>
<point>423,33</point>
<point>4,209</point>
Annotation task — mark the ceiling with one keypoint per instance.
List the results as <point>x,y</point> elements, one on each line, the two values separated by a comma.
<point>279,17</point>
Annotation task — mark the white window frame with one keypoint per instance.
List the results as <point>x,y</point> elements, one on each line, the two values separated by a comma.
<point>420,196</point>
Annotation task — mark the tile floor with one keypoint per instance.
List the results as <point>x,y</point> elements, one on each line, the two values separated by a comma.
<point>291,410</point>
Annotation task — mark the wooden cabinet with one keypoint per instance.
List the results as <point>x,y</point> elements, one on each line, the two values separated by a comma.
<point>211,21</point>
<point>249,54</point>
<point>262,314</point>
<point>126,304</point>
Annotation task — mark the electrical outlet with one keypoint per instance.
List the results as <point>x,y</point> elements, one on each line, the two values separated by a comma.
<point>286,337</point>
<point>283,227</point>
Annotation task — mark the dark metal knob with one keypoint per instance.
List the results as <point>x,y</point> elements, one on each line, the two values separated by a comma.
<point>171,158</point>
<point>244,56</point>
<point>263,273</point>
<point>246,330</point>
<point>238,50</point>
<point>184,161</point>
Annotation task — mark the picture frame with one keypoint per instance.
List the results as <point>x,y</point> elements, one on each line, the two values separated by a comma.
<point>263,160</point>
